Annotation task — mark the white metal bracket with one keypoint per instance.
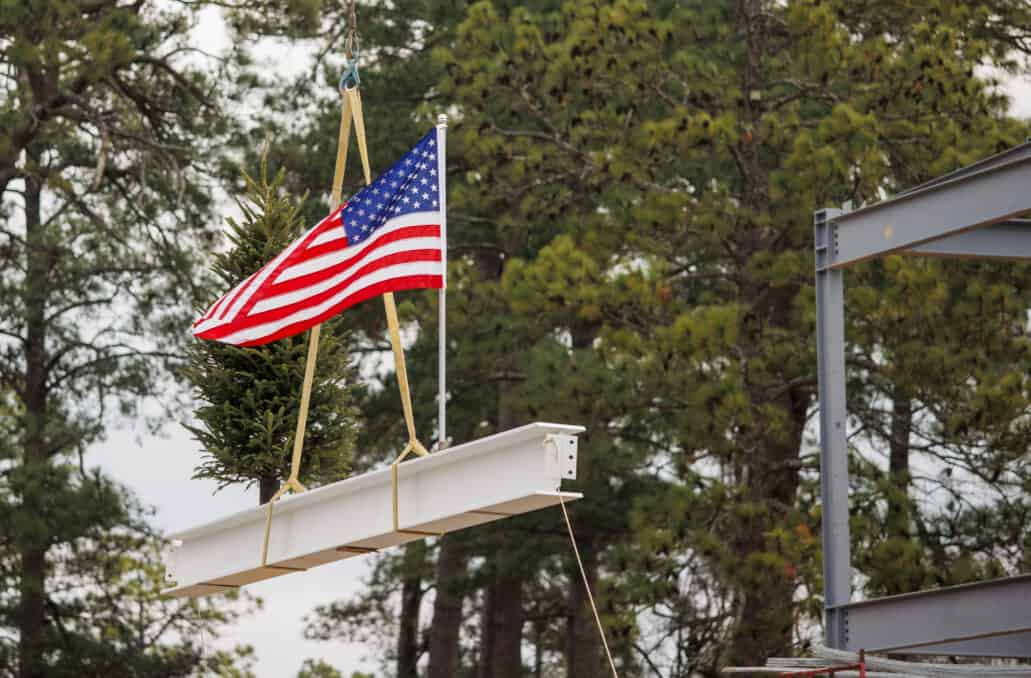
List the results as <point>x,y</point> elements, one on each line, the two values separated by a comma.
<point>563,450</point>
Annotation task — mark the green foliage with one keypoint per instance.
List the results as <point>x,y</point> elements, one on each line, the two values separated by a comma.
<point>650,173</point>
<point>105,613</point>
<point>113,129</point>
<point>251,396</point>
<point>319,669</point>
<point>941,392</point>
<point>370,618</point>
<point>631,195</point>
<point>107,134</point>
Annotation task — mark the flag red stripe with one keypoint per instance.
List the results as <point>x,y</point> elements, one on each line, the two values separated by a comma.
<point>327,247</point>
<point>412,282</point>
<point>335,245</point>
<point>299,254</point>
<point>222,302</point>
<point>223,306</point>
<point>234,295</point>
<point>246,320</point>
<point>314,277</point>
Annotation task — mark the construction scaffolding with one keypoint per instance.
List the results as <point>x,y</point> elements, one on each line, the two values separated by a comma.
<point>973,212</point>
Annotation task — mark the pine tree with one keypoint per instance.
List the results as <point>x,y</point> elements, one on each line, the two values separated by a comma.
<point>107,135</point>
<point>251,396</point>
<point>684,149</point>
<point>631,195</point>
<point>320,669</point>
<point>106,616</point>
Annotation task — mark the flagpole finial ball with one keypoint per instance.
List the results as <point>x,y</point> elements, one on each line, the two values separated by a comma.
<point>442,120</point>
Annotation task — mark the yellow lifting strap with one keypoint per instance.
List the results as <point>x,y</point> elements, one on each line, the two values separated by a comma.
<point>350,111</point>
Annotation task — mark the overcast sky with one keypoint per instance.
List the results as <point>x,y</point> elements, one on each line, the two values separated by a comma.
<point>159,470</point>
<point>1020,93</point>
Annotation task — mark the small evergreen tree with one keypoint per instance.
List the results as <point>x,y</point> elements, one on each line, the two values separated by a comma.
<point>251,396</point>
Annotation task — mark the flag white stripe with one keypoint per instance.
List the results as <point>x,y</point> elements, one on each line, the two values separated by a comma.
<point>253,283</point>
<point>259,280</point>
<point>375,254</point>
<point>411,219</point>
<point>213,311</point>
<point>384,274</point>
<point>221,306</point>
<point>329,236</point>
<point>333,258</point>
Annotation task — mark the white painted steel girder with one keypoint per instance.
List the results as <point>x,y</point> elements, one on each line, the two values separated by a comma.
<point>502,475</point>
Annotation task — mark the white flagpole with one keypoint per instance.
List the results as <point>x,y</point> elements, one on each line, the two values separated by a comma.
<point>442,294</point>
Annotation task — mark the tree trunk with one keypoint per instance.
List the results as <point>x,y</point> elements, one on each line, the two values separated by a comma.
<point>769,470</point>
<point>32,548</point>
<point>501,649</point>
<point>501,620</point>
<point>538,649</point>
<point>583,658</point>
<point>765,618</point>
<point>447,609</point>
<point>506,610</point>
<point>267,488</point>
<point>502,617</point>
<point>765,611</point>
<point>898,466</point>
<point>764,607</point>
<point>411,599</point>
<point>32,611</point>
<point>487,632</point>
<point>583,646</point>
<point>764,621</point>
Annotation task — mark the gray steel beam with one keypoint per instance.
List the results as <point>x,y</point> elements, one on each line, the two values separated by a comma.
<point>1017,152</point>
<point>1007,240</point>
<point>830,356</point>
<point>1016,645</point>
<point>943,618</point>
<point>938,218</point>
<point>978,197</point>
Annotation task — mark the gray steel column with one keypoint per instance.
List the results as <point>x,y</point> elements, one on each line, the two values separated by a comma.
<point>830,357</point>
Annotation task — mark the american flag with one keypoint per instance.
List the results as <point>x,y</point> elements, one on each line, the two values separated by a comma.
<point>386,238</point>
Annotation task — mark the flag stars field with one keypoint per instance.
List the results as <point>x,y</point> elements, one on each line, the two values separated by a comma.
<point>386,238</point>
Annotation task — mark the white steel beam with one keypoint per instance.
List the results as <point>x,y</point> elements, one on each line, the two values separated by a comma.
<point>478,482</point>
